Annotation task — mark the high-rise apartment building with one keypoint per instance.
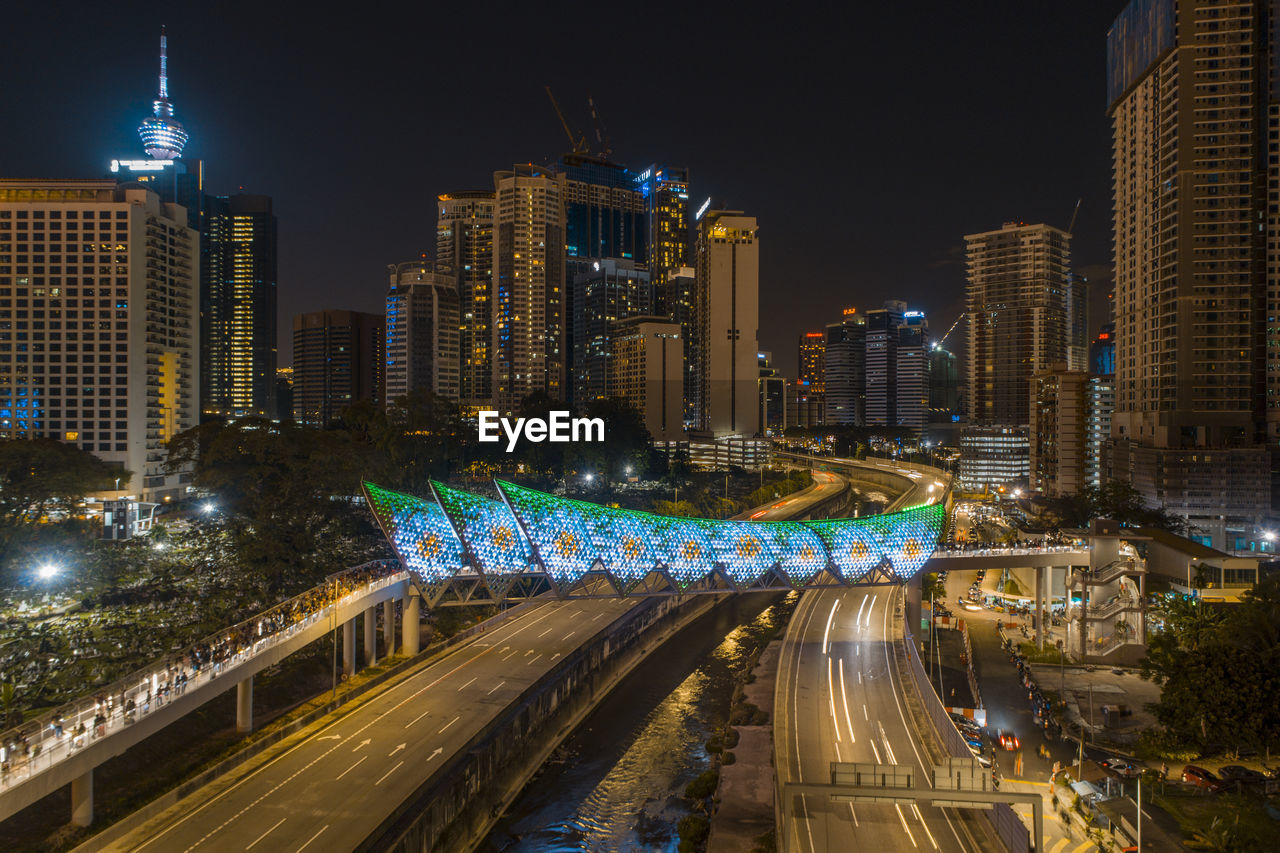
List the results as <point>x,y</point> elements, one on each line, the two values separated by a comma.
<point>728,282</point>
<point>337,359</point>
<point>944,386</point>
<point>677,298</point>
<point>645,371</point>
<point>464,243</point>
<point>610,292</point>
<point>844,370</point>
<point>528,285</point>
<point>773,397</point>
<point>1195,109</point>
<point>98,323</point>
<point>1017,303</point>
<point>813,349</point>
<point>992,456</point>
<point>881,362</point>
<point>911,368</point>
<point>422,331</point>
<point>666,194</point>
<point>1059,431</point>
<point>238,307</point>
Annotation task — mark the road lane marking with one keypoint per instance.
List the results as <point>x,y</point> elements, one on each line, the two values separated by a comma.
<point>352,767</point>
<point>544,633</point>
<point>859,676</point>
<point>510,656</point>
<point>549,607</point>
<point>450,723</point>
<point>872,608</point>
<point>265,834</point>
<point>567,636</point>
<point>399,747</point>
<point>531,660</point>
<point>864,711</point>
<point>597,616</point>
<point>388,773</point>
<point>905,828</point>
<point>415,719</point>
<point>857,621</point>
<point>468,684</point>
<point>495,687</point>
<point>312,838</point>
<point>877,752</point>
<point>932,840</point>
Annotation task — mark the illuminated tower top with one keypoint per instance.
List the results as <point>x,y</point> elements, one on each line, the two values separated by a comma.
<point>163,135</point>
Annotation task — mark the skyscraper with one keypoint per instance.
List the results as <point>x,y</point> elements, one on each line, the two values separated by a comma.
<point>845,371</point>
<point>881,362</point>
<point>677,298</point>
<point>911,384</point>
<point>528,285</point>
<point>666,195</point>
<point>813,348</point>
<point>728,282</point>
<point>1017,303</point>
<point>238,307</point>
<point>338,359</point>
<point>610,292</point>
<point>1059,431</point>
<point>464,242</point>
<point>98,320</point>
<point>422,331</point>
<point>644,370</point>
<point>1194,100</point>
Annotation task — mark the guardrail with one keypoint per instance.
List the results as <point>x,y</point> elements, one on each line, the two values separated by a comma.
<point>40,743</point>
<point>942,553</point>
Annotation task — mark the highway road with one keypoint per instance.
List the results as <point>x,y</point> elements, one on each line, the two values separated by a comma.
<point>824,486</point>
<point>331,790</point>
<point>837,699</point>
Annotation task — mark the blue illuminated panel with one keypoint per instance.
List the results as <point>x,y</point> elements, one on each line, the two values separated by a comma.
<point>487,529</point>
<point>419,531</point>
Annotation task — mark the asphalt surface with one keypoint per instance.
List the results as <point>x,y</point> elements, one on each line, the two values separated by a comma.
<point>824,486</point>
<point>330,791</point>
<point>837,699</point>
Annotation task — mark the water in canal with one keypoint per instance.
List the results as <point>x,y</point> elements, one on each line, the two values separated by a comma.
<point>618,782</point>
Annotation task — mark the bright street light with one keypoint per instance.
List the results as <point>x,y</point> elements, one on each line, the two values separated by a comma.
<point>48,571</point>
<point>1269,536</point>
<point>207,508</point>
<point>589,477</point>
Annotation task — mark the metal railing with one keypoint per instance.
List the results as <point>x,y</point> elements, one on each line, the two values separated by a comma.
<point>943,552</point>
<point>38,744</point>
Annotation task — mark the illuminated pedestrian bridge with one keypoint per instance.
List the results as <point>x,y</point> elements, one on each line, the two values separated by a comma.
<point>467,548</point>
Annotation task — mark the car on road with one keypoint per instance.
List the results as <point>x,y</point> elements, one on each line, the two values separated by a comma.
<point>1118,767</point>
<point>1233,773</point>
<point>969,605</point>
<point>1009,742</point>
<point>1201,778</point>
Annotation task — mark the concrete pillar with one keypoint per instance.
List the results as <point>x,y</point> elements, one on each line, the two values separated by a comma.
<point>389,627</point>
<point>244,706</point>
<point>82,799</point>
<point>411,629</point>
<point>371,636</point>
<point>1039,593</point>
<point>349,646</point>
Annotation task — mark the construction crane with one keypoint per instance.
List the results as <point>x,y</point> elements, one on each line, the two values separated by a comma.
<point>939,342</point>
<point>1072,224</point>
<point>578,143</point>
<point>602,135</point>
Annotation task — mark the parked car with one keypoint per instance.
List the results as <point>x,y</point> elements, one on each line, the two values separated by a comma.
<point>974,741</point>
<point>1233,773</point>
<point>1201,778</point>
<point>982,759</point>
<point>1120,768</point>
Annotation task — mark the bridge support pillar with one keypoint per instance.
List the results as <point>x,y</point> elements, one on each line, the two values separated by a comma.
<point>82,799</point>
<point>370,619</point>
<point>349,646</point>
<point>410,628</point>
<point>389,627</point>
<point>1040,595</point>
<point>244,706</point>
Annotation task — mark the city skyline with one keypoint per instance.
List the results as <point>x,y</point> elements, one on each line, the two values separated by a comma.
<point>914,196</point>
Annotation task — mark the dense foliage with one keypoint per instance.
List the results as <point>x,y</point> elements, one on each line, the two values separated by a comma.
<point>1115,500</point>
<point>1219,670</point>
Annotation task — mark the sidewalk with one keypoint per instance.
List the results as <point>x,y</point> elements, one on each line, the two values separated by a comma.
<point>745,794</point>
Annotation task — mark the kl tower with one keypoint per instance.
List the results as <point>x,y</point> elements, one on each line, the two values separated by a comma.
<point>163,136</point>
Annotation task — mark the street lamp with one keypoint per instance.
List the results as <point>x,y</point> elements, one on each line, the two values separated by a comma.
<point>47,571</point>
<point>207,508</point>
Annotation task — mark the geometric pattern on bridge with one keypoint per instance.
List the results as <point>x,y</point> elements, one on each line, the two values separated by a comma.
<point>466,547</point>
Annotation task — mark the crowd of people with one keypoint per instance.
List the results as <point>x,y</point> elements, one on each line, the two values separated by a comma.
<point>72,726</point>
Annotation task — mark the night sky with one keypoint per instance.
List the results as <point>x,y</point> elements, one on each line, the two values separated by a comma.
<point>867,139</point>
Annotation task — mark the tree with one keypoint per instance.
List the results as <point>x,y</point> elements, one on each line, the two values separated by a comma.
<point>931,587</point>
<point>40,476</point>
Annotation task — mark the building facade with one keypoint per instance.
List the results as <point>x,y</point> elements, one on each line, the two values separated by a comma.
<point>1192,97</point>
<point>610,292</point>
<point>422,330</point>
<point>1059,431</point>
<point>645,370</point>
<point>464,243</point>
<point>993,456</point>
<point>338,359</point>
<point>728,282</point>
<point>99,341</point>
<point>666,194</point>
<point>528,295</point>
<point>1017,305</point>
<point>677,298</point>
<point>844,370</point>
<point>238,307</point>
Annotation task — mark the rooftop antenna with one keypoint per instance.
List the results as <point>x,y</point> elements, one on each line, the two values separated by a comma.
<point>164,65</point>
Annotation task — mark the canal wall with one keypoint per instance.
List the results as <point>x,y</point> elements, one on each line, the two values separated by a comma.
<point>457,806</point>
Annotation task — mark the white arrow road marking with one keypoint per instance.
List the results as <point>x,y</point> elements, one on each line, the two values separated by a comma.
<point>330,737</point>
<point>397,749</point>
<point>503,649</point>
<point>556,655</point>
<point>389,772</point>
<point>362,743</point>
<point>450,723</point>
<point>352,767</point>
<point>265,834</point>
